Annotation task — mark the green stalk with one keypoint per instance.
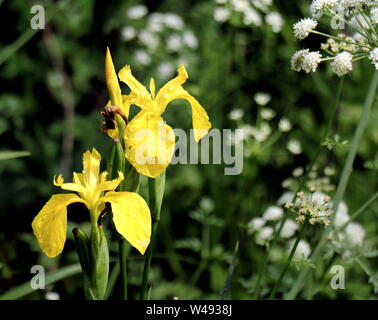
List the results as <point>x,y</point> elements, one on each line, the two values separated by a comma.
<point>122,253</point>
<point>156,193</point>
<point>326,133</point>
<point>347,170</point>
<point>289,259</point>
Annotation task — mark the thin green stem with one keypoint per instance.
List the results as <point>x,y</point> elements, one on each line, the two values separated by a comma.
<point>122,251</point>
<point>289,259</point>
<point>339,39</point>
<point>344,179</point>
<point>156,188</point>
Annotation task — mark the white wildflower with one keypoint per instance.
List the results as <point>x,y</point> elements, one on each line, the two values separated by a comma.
<point>342,64</point>
<point>341,216</point>
<point>355,233</point>
<point>52,295</point>
<point>240,5</point>
<point>142,57</point>
<point>221,14</point>
<point>137,12</point>
<point>286,197</point>
<point>304,27</point>
<point>294,146</point>
<point>190,40</point>
<point>262,4</point>
<point>173,20</point>
<point>149,39</point>
<point>236,114</point>
<point>262,98</point>
<point>155,22</point>
<point>264,234</point>
<point>247,131</point>
<point>174,42</point>
<point>311,61</point>
<point>298,172</point>
<point>303,250</point>
<point>252,17</point>
<point>273,213</point>
<point>318,7</point>
<point>267,114</point>
<point>274,19</point>
<point>288,229</point>
<point>297,59</point>
<point>373,56</point>
<point>284,125</point>
<point>262,132</point>
<point>256,224</point>
<point>128,33</point>
<point>165,70</point>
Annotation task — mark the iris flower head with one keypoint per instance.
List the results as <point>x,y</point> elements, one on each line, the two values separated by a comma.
<point>131,214</point>
<point>149,141</point>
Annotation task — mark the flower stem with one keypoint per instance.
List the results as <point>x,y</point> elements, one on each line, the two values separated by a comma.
<point>288,262</point>
<point>156,193</point>
<point>122,252</point>
<point>347,170</point>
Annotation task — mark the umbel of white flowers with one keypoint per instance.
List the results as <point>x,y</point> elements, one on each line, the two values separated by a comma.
<point>360,18</point>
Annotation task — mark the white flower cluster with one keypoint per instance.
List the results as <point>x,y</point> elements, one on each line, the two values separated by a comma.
<point>155,32</point>
<point>349,233</point>
<point>358,16</point>
<point>264,227</point>
<point>262,131</point>
<point>250,12</point>
<point>306,60</point>
<point>304,27</point>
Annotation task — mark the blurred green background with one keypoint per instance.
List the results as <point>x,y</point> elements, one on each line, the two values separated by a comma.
<point>53,90</point>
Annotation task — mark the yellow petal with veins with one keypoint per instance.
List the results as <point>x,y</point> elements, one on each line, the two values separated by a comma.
<point>139,94</point>
<point>59,182</point>
<point>164,95</point>
<point>91,167</point>
<point>50,225</point>
<point>149,144</point>
<point>110,185</point>
<point>132,218</point>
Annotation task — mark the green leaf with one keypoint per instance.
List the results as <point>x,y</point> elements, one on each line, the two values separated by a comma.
<point>6,155</point>
<point>52,277</point>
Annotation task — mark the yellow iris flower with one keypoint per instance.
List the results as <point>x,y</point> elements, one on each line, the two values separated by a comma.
<point>149,142</point>
<point>131,214</point>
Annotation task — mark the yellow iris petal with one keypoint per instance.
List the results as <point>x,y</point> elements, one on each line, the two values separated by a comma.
<point>139,94</point>
<point>149,144</point>
<point>172,91</point>
<point>164,95</point>
<point>112,80</point>
<point>50,225</point>
<point>109,185</point>
<point>200,119</point>
<point>91,167</point>
<point>131,217</point>
<point>59,182</point>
